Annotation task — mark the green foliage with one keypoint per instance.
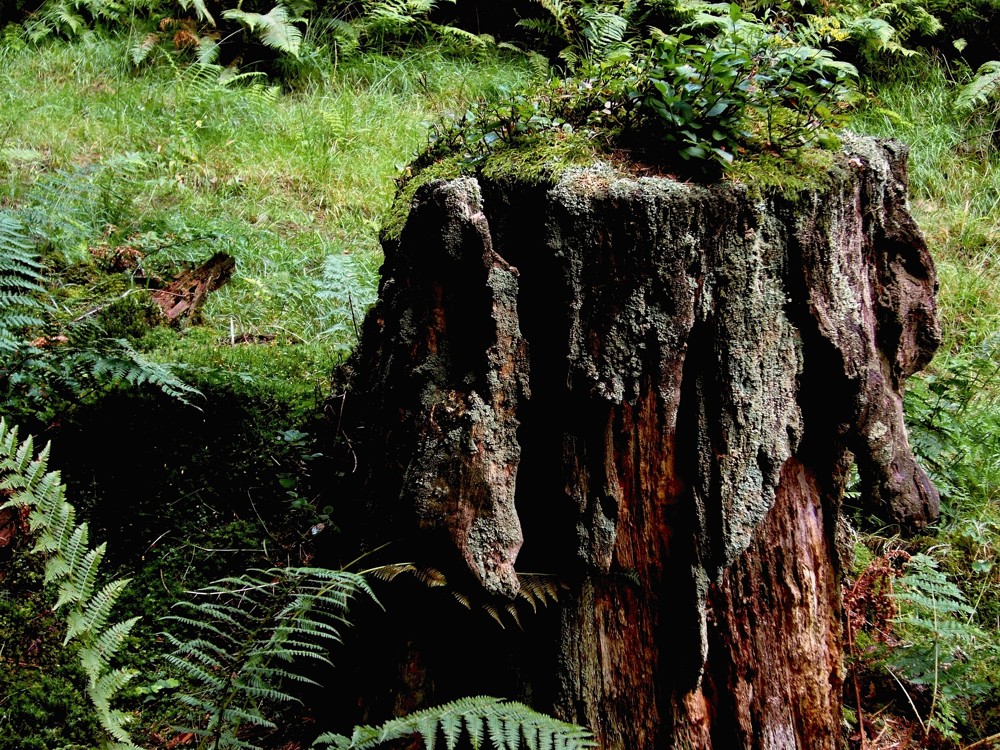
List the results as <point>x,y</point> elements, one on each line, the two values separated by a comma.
<point>72,565</point>
<point>585,31</point>
<point>346,290</point>
<point>746,88</point>
<point>21,280</point>
<point>70,18</point>
<point>275,28</point>
<point>488,722</point>
<point>246,639</point>
<point>983,91</point>
<point>953,415</point>
<point>940,643</point>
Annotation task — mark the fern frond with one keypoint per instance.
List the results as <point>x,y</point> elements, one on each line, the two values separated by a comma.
<point>246,633</point>
<point>984,87</point>
<point>537,589</point>
<point>95,615</point>
<point>76,548</point>
<point>74,566</point>
<point>82,577</point>
<point>143,47</point>
<point>21,279</point>
<point>199,8</point>
<point>276,29</point>
<point>102,648</point>
<point>506,723</point>
<point>55,534</point>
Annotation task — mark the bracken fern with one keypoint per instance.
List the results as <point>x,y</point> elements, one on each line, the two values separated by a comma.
<point>246,639</point>
<point>72,565</point>
<point>21,280</point>
<point>488,722</point>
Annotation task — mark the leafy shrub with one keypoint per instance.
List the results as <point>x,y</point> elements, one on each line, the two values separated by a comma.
<point>939,644</point>
<point>910,626</point>
<point>744,88</point>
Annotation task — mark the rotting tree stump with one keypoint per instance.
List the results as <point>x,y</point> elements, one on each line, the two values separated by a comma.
<point>655,391</point>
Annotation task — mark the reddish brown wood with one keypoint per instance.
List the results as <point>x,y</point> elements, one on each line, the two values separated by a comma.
<point>184,296</point>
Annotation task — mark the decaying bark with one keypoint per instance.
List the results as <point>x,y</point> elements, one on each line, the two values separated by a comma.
<point>184,296</point>
<point>654,390</point>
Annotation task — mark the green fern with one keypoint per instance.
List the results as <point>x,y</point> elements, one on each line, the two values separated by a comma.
<point>590,31</point>
<point>936,622</point>
<point>488,722</point>
<point>68,18</point>
<point>73,565</point>
<point>244,637</point>
<point>199,8</point>
<point>984,88</point>
<point>275,28</point>
<point>21,281</point>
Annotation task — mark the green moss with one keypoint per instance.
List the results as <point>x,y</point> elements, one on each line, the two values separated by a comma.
<point>445,169</point>
<point>796,171</point>
<point>129,317</point>
<point>539,159</point>
<point>42,702</point>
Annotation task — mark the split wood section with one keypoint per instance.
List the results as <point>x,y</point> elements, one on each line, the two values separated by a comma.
<point>654,390</point>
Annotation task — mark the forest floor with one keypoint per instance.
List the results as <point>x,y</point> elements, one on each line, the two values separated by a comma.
<point>135,174</point>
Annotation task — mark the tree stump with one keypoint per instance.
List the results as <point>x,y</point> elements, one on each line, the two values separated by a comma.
<point>655,391</point>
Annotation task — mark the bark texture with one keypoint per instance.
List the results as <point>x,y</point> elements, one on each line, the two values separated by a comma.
<point>653,389</point>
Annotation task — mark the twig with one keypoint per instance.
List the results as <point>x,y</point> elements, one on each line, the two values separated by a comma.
<point>857,689</point>
<point>912,704</point>
<point>95,310</point>
<point>982,742</point>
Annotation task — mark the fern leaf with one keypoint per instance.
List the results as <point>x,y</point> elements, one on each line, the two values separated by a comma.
<point>200,8</point>
<point>505,722</point>
<point>103,647</point>
<point>276,29</point>
<point>82,577</point>
<point>102,692</point>
<point>72,564</point>
<point>73,552</point>
<point>140,51</point>
<point>93,618</point>
<point>982,89</point>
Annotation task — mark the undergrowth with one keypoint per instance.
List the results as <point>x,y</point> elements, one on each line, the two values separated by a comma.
<point>115,176</point>
<point>953,413</point>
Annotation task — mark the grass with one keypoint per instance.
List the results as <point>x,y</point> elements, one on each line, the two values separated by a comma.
<point>953,409</point>
<point>955,187</point>
<point>294,184</point>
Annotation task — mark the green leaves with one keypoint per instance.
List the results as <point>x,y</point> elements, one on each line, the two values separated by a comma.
<point>276,28</point>
<point>21,280</point>
<point>936,623</point>
<point>983,89</point>
<point>73,565</point>
<point>489,722</point>
<point>745,88</point>
<point>243,637</point>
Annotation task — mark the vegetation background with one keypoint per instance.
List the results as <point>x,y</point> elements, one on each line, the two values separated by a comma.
<point>138,138</point>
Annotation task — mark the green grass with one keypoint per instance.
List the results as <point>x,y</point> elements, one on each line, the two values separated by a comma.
<point>953,409</point>
<point>955,188</point>
<point>172,164</point>
<point>290,183</point>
